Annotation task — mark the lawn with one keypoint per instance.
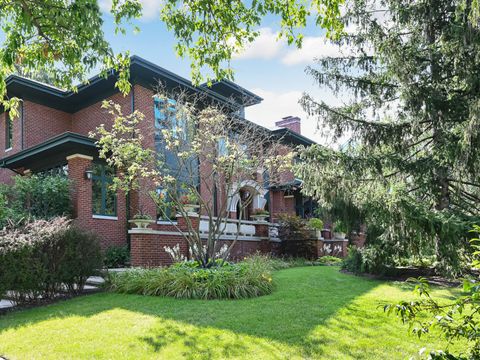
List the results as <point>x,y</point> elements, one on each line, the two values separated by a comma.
<point>315,312</point>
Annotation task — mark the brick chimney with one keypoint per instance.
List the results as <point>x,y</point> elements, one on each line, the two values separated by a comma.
<point>290,122</point>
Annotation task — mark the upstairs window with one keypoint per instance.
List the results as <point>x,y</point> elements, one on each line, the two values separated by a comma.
<point>8,131</point>
<point>104,198</point>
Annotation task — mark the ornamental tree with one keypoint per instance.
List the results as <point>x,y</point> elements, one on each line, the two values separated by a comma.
<point>412,72</point>
<point>205,156</point>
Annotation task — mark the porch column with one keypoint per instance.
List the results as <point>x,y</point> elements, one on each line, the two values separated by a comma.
<point>81,187</point>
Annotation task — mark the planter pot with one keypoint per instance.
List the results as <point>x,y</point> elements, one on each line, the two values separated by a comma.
<point>191,208</point>
<point>141,223</point>
<point>319,234</point>
<point>339,235</point>
<point>259,217</point>
<point>326,234</point>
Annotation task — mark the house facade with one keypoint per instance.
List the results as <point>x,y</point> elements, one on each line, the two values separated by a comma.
<point>51,135</point>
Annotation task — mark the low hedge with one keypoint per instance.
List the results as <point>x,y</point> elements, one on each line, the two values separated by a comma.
<point>46,257</point>
<point>249,278</point>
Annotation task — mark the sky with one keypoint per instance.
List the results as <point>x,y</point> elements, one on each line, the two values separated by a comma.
<point>269,68</point>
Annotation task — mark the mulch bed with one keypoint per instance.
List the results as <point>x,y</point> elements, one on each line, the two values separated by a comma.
<point>404,274</point>
<point>44,302</point>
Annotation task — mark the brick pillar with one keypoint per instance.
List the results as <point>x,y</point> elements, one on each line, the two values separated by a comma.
<point>81,188</point>
<point>194,220</point>
<point>261,230</point>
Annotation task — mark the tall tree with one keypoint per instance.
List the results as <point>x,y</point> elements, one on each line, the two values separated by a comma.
<point>414,72</point>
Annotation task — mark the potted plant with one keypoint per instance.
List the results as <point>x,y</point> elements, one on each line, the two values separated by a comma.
<point>190,202</point>
<point>259,214</point>
<point>340,230</point>
<point>141,220</point>
<point>317,225</point>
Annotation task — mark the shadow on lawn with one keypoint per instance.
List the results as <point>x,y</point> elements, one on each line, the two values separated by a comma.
<point>305,298</point>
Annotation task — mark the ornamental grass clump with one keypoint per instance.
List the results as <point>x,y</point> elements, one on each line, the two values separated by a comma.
<point>186,280</point>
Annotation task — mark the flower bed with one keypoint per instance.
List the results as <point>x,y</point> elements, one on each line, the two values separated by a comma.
<point>247,279</point>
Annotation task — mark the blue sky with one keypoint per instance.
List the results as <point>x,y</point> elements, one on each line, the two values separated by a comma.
<point>268,67</point>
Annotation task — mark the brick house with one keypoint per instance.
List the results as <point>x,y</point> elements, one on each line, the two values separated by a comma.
<point>51,134</point>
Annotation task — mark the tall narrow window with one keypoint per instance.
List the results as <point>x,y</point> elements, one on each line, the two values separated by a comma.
<point>8,131</point>
<point>104,198</point>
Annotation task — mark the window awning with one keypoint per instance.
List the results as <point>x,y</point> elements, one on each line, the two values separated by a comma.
<point>51,153</point>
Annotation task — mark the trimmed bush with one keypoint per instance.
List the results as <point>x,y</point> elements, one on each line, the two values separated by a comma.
<point>46,257</point>
<point>297,240</point>
<point>116,256</point>
<point>249,278</point>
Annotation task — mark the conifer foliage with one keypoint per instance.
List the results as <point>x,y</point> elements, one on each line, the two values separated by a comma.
<point>412,70</point>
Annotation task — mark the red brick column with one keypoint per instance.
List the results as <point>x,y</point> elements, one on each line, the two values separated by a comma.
<point>194,220</point>
<point>261,230</point>
<point>81,188</point>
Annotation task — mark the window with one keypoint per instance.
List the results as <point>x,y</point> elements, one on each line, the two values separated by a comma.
<point>222,147</point>
<point>166,208</point>
<point>8,131</point>
<point>104,198</point>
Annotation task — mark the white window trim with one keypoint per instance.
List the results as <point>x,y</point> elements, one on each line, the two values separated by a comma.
<point>166,222</point>
<point>104,217</point>
<point>9,149</point>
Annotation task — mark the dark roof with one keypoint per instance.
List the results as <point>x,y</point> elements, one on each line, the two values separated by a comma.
<point>292,137</point>
<point>290,185</point>
<point>234,91</point>
<point>51,153</point>
<point>99,87</point>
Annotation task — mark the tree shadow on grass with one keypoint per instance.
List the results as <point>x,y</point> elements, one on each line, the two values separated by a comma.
<point>305,298</point>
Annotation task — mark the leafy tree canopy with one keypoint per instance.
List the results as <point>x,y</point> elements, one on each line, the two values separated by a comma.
<point>65,38</point>
<point>413,73</point>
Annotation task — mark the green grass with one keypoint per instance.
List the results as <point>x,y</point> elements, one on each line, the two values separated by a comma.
<point>315,312</point>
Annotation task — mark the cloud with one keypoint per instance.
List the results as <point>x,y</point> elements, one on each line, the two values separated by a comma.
<point>265,46</point>
<point>150,8</point>
<point>313,47</point>
<point>276,105</point>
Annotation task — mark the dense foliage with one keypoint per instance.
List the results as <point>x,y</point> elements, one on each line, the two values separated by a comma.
<point>36,196</point>
<point>297,239</point>
<point>46,257</point>
<point>411,165</point>
<point>116,256</point>
<point>188,280</point>
<point>457,319</point>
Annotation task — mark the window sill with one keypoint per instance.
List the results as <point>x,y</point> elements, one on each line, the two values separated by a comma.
<point>9,149</point>
<point>166,222</point>
<point>104,217</point>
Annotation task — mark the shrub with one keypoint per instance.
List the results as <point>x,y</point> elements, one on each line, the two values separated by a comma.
<point>42,258</point>
<point>43,196</point>
<point>329,260</point>
<point>186,280</point>
<point>315,223</point>
<point>369,259</point>
<point>116,256</point>
<point>296,238</point>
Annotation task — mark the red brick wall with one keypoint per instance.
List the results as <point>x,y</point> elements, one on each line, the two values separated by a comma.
<point>148,249</point>
<point>42,123</point>
<point>6,174</point>
<point>110,232</point>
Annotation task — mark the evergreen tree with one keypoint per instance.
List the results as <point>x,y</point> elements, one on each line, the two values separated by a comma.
<point>412,161</point>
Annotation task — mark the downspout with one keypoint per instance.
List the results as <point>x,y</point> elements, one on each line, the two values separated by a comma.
<point>127,198</point>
